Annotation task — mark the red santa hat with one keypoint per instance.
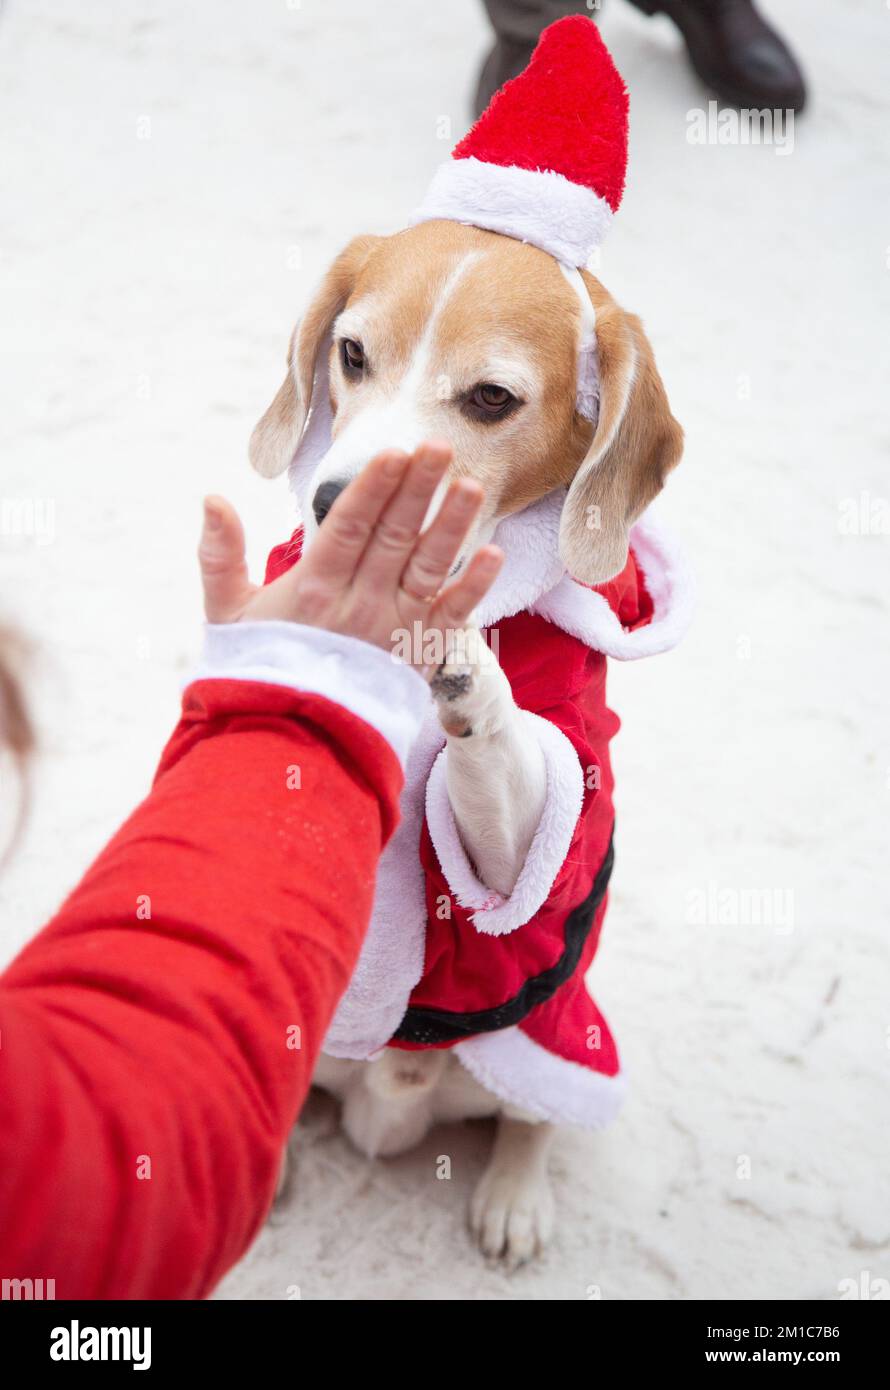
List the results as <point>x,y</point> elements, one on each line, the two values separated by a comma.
<point>546,161</point>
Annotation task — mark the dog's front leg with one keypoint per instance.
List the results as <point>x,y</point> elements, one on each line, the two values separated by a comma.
<point>496,775</point>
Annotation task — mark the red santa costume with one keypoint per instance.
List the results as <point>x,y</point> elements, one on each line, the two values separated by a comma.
<point>446,962</point>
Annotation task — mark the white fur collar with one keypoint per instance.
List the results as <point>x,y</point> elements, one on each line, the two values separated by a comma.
<point>532,566</point>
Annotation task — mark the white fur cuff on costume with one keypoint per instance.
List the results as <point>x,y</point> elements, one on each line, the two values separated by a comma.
<point>523,1073</point>
<point>587,615</point>
<point>495,915</point>
<point>535,205</point>
<point>366,680</point>
<point>391,960</point>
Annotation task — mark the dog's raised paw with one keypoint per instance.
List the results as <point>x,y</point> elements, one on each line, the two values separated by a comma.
<point>469,687</point>
<point>511,1215</point>
<point>451,683</point>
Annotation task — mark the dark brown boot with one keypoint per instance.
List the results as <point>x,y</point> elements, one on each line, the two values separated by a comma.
<point>735,51</point>
<point>506,60</point>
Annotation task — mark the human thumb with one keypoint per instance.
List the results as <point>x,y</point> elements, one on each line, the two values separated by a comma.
<point>227,587</point>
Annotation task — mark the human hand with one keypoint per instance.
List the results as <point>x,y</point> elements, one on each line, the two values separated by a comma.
<point>370,572</point>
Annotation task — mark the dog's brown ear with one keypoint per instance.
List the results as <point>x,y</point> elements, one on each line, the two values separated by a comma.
<point>275,438</point>
<point>635,444</point>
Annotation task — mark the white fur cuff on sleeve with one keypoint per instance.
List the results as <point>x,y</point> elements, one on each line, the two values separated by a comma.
<point>369,682</point>
<point>494,914</point>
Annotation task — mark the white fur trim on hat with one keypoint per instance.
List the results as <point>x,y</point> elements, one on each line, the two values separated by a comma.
<point>534,205</point>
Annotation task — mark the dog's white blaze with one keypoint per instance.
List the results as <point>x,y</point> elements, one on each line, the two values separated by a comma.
<point>399,423</point>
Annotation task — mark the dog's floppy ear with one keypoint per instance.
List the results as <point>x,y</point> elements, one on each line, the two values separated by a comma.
<point>635,444</point>
<point>275,438</point>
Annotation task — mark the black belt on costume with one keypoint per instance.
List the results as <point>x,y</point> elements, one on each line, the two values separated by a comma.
<point>423,1025</point>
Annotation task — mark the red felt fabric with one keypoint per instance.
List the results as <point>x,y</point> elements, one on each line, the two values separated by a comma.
<point>126,1040</point>
<point>569,1024</point>
<point>567,113</point>
<point>628,596</point>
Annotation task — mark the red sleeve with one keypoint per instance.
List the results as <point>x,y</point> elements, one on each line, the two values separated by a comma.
<point>158,1036</point>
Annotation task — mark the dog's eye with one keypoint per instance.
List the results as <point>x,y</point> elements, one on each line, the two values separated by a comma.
<point>353,355</point>
<point>490,402</point>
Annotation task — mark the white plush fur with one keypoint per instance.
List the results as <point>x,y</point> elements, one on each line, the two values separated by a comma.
<point>532,564</point>
<point>514,1066</point>
<point>587,615</point>
<point>391,960</point>
<point>385,693</point>
<point>532,205</point>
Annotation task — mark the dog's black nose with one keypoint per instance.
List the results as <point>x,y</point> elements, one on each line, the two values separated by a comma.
<point>324,499</point>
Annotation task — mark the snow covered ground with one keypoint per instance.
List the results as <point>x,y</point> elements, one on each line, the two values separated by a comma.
<point>175,179</point>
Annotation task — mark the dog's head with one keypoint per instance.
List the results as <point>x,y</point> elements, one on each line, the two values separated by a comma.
<point>447,331</point>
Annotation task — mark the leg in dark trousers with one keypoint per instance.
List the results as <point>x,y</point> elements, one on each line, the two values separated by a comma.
<point>730,44</point>
<point>517,25</point>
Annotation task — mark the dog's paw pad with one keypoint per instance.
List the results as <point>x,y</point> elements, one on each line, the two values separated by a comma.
<point>511,1216</point>
<point>450,683</point>
<point>465,683</point>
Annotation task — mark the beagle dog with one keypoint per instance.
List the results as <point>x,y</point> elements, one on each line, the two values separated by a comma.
<point>546,389</point>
